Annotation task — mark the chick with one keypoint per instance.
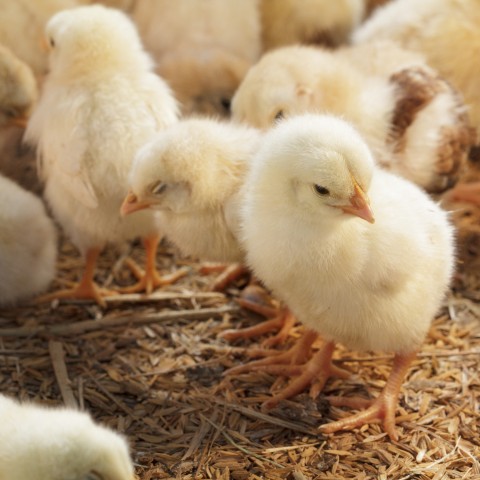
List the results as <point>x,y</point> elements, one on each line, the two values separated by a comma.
<point>29,18</point>
<point>203,49</point>
<point>28,247</point>
<point>42,443</point>
<point>361,256</point>
<point>191,174</point>
<point>309,22</point>
<point>412,119</point>
<point>18,89</point>
<point>100,103</point>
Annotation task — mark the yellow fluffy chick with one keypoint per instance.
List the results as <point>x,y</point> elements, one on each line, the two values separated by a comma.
<point>191,173</point>
<point>100,103</point>
<point>361,256</point>
<point>324,22</point>
<point>30,19</point>
<point>18,89</point>
<point>203,49</point>
<point>412,119</point>
<point>28,246</point>
<point>41,443</point>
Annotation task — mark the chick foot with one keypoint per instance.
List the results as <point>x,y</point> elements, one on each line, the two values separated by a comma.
<point>86,289</point>
<point>150,279</point>
<point>228,274</point>
<point>465,192</point>
<point>382,409</point>
<point>254,299</point>
<point>313,374</point>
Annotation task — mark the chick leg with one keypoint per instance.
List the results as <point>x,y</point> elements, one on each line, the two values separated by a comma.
<point>465,192</point>
<point>383,407</point>
<point>150,279</point>
<point>253,298</point>
<point>86,288</point>
<point>228,274</point>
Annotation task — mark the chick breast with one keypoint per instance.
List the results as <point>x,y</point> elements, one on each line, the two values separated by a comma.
<point>368,286</point>
<point>27,244</point>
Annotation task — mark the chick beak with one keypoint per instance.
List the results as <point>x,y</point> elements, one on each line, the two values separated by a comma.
<point>359,205</point>
<point>20,121</point>
<point>132,204</point>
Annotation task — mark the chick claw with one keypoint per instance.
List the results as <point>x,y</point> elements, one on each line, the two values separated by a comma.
<point>228,274</point>
<point>382,409</point>
<point>83,291</point>
<point>254,299</point>
<point>150,279</point>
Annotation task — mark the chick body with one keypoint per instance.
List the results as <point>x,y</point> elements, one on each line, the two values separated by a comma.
<point>28,247</point>
<point>309,22</point>
<point>42,443</point>
<point>370,287</point>
<point>412,120</point>
<point>100,103</point>
<point>202,163</point>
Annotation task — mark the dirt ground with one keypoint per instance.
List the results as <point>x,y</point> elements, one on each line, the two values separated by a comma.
<point>152,368</point>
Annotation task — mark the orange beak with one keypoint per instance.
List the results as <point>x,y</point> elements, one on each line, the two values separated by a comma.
<point>359,204</point>
<point>19,121</point>
<point>131,204</point>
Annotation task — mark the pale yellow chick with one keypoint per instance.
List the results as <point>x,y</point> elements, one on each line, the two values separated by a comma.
<point>28,244</point>
<point>100,103</point>
<point>361,256</point>
<point>412,119</point>
<point>321,22</point>
<point>203,49</point>
<point>40,443</point>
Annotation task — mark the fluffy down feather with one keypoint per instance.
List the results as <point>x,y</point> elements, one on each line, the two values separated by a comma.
<point>42,443</point>
<point>28,247</point>
<point>413,120</point>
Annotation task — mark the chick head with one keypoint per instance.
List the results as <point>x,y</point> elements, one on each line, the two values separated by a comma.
<point>67,445</point>
<point>193,165</point>
<point>320,164</point>
<point>273,89</point>
<point>91,39</point>
<point>18,89</point>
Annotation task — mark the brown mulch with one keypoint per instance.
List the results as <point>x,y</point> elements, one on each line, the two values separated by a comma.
<point>152,369</point>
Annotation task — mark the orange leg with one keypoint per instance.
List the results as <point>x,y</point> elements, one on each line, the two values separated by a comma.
<point>255,299</point>
<point>465,192</point>
<point>228,274</point>
<point>382,409</point>
<point>86,288</point>
<point>150,279</point>
<point>314,373</point>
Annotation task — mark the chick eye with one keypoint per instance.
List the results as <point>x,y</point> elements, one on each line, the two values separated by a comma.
<point>225,103</point>
<point>10,112</point>
<point>52,42</point>
<point>279,115</point>
<point>321,190</point>
<point>159,188</point>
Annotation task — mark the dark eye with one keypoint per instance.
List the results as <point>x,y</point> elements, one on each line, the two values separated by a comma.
<point>225,103</point>
<point>10,112</point>
<point>52,42</point>
<point>279,115</point>
<point>159,188</point>
<point>321,190</point>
